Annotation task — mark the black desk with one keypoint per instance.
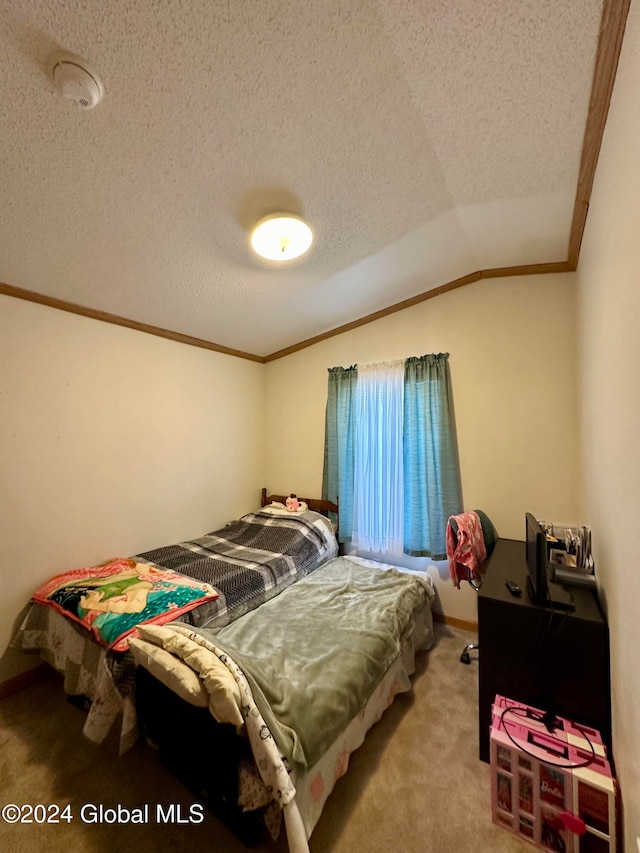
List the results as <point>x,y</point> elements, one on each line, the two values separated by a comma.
<point>554,660</point>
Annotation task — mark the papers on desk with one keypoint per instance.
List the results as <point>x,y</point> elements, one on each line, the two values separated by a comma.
<point>569,546</point>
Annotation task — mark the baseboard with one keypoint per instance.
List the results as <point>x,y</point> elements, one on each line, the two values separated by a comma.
<point>457,622</point>
<point>25,679</point>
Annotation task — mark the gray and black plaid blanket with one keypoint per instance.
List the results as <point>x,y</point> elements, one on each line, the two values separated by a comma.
<point>248,561</point>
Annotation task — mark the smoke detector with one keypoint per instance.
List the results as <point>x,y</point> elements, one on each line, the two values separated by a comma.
<point>75,79</point>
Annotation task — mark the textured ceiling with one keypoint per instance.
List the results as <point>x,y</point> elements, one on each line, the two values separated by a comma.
<point>421,139</point>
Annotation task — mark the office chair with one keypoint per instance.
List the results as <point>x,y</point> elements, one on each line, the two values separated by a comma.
<point>489,535</point>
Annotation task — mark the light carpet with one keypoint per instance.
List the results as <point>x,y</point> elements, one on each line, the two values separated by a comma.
<point>415,785</point>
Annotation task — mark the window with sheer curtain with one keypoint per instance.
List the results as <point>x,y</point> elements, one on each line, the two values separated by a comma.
<point>390,455</point>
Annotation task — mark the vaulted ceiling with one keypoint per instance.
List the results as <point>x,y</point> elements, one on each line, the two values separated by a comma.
<point>423,140</point>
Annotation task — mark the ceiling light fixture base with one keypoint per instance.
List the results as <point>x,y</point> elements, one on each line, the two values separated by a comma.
<point>281,237</point>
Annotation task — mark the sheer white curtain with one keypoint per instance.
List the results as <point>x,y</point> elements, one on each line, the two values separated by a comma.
<point>378,451</point>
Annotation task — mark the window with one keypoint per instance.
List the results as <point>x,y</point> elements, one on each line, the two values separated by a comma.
<point>391,456</point>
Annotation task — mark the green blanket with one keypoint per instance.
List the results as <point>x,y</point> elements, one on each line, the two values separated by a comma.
<point>314,654</point>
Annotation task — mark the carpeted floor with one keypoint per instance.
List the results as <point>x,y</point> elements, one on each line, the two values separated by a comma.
<point>415,785</point>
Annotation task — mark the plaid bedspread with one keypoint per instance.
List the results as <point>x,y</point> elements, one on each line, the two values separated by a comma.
<point>247,562</point>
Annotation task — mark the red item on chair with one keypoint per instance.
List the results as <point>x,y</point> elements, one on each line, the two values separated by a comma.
<point>466,550</point>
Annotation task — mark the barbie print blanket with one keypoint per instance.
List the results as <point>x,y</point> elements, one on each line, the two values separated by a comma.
<point>113,599</point>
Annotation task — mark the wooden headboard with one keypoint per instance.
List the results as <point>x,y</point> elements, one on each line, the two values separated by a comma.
<point>314,504</point>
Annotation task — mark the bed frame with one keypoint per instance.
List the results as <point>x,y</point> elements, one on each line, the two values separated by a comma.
<point>161,713</point>
<point>320,505</point>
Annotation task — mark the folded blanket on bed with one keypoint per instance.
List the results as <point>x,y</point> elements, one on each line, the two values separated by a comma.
<point>206,659</point>
<point>190,670</point>
<point>113,599</point>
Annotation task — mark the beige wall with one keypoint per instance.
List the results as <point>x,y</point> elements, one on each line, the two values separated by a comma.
<point>112,442</point>
<point>609,324</point>
<point>512,355</point>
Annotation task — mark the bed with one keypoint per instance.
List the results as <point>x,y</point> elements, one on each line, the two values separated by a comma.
<point>246,563</point>
<point>280,698</point>
<point>258,762</point>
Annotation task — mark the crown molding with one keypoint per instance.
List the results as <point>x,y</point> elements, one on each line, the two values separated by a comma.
<point>105,317</point>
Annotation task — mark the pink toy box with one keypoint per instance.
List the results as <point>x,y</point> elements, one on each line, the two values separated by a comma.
<point>554,789</point>
<point>533,718</point>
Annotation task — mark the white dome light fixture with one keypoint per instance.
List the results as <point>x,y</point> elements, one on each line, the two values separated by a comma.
<point>281,237</point>
<point>75,80</point>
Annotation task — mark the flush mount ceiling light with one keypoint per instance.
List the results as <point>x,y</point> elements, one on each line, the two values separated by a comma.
<point>281,237</point>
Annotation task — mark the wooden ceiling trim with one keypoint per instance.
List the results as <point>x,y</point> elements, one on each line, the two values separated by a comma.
<point>527,269</point>
<point>612,26</point>
<point>377,315</point>
<point>496,272</point>
<point>105,317</point>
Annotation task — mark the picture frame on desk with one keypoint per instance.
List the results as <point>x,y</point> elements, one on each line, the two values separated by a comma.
<point>561,558</point>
